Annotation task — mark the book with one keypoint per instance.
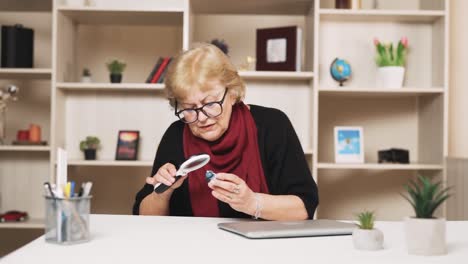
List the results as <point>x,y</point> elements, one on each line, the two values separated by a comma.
<point>279,49</point>
<point>160,69</point>
<point>153,71</point>
<point>163,75</point>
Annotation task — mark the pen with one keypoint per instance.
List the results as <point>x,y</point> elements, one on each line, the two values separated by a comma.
<point>72,189</point>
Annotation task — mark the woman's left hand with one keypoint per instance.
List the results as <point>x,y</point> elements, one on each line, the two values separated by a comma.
<point>232,190</point>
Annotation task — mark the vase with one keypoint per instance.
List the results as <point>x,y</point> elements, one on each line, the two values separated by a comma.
<point>425,236</point>
<point>90,154</point>
<point>116,78</point>
<point>75,3</point>
<point>86,79</point>
<point>390,77</point>
<point>368,239</point>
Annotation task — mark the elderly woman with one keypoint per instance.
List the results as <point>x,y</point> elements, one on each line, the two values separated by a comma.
<point>260,165</point>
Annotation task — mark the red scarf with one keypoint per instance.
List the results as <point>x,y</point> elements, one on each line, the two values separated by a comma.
<point>235,152</point>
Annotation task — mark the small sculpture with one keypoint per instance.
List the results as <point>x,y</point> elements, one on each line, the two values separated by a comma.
<point>6,94</point>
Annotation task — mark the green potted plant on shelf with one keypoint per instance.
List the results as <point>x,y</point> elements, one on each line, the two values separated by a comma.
<point>116,69</point>
<point>89,147</point>
<point>86,76</point>
<point>367,237</point>
<point>425,234</point>
<point>391,63</point>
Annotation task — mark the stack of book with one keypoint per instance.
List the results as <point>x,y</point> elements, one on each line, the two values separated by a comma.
<point>159,70</point>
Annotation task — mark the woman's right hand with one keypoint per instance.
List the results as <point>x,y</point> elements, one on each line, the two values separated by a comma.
<point>166,175</point>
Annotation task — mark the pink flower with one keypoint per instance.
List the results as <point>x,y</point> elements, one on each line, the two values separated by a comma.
<point>404,42</point>
<point>376,41</point>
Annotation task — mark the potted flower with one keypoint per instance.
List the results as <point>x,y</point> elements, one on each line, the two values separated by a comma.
<point>366,237</point>
<point>425,234</point>
<point>391,63</point>
<point>86,76</point>
<point>89,147</point>
<point>116,69</point>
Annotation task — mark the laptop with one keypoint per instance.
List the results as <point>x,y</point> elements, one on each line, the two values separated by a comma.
<point>283,229</point>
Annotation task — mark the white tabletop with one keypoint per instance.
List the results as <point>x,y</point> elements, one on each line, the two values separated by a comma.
<point>152,239</point>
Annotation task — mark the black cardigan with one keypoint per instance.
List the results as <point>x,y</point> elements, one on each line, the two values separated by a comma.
<point>283,161</point>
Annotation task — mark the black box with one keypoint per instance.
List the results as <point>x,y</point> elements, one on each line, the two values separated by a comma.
<point>17,47</point>
<point>394,156</point>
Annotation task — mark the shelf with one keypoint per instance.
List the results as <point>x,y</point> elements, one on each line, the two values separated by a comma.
<point>308,152</point>
<point>259,7</point>
<point>377,166</point>
<point>131,87</point>
<point>131,15</point>
<point>24,148</point>
<point>25,73</point>
<point>33,223</point>
<point>276,75</point>
<point>111,163</point>
<point>381,15</point>
<point>380,92</point>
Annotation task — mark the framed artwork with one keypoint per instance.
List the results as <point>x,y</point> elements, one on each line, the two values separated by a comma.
<point>279,49</point>
<point>349,145</point>
<point>127,145</point>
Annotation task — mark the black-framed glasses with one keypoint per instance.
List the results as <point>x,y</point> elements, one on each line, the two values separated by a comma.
<point>211,109</point>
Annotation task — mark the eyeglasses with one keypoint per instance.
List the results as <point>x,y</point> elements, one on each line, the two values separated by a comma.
<point>211,109</point>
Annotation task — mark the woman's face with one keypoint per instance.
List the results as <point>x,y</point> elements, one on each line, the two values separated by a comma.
<point>209,128</point>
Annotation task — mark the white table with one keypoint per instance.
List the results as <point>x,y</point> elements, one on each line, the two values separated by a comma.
<point>151,239</point>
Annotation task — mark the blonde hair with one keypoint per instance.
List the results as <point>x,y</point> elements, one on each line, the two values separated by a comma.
<point>194,68</point>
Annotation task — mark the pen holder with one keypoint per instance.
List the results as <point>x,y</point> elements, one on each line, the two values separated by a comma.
<point>67,220</point>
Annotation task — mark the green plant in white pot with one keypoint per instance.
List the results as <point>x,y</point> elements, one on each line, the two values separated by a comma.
<point>367,237</point>
<point>391,63</point>
<point>425,234</point>
<point>89,147</point>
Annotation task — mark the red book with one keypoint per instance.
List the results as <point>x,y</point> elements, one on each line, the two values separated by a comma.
<point>160,70</point>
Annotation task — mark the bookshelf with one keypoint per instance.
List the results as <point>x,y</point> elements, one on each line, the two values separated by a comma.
<point>87,36</point>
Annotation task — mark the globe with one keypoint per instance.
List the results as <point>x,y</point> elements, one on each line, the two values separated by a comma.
<point>340,70</point>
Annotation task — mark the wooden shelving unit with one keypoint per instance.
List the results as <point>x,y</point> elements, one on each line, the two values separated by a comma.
<point>419,16</point>
<point>111,163</point>
<point>33,73</point>
<point>34,223</point>
<point>273,76</point>
<point>25,148</point>
<point>142,87</point>
<point>377,166</point>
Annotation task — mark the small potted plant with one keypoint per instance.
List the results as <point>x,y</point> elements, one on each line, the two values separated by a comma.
<point>391,62</point>
<point>89,147</point>
<point>366,237</point>
<point>116,69</point>
<point>425,234</point>
<point>86,76</point>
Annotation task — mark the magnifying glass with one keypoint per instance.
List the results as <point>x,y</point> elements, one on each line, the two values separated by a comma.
<point>193,163</point>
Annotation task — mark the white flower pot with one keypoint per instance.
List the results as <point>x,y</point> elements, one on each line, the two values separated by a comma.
<point>390,77</point>
<point>425,236</point>
<point>74,3</point>
<point>364,239</point>
<point>86,79</point>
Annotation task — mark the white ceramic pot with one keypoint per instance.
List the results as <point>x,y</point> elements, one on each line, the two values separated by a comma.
<point>86,79</point>
<point>390,77</point>
<point>425,236</point>
<point>365,239</point>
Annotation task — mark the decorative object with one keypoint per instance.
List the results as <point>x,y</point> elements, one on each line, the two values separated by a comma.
<point>17,47</point>
<point>8,93</point>
<point>342,4</point>
<point>340,70</point>
<point>116,69</point>
<point>366,237</point>
<point>22,135</point>
<point>349,145</point>
<point>279,49</point>
<point>394,155</point>
<point>221,44</point>
<point>248,64</point>
<point>356,4</point>
<point>425,234</point>
<point>89,147</point>
<point>86,76</point>
<point>34,133</point>
<point>391,63</point>
<point>75,3</point>
<point>127,145</point>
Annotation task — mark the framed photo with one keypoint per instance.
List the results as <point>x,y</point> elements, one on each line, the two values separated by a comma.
<point>279,49</point>
<point>349,145</point>
<point>127,145</point>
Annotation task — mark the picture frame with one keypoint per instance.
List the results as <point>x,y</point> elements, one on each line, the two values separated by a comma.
<point>127,145</point>
<point>349,144</point>
<point>279,49</point>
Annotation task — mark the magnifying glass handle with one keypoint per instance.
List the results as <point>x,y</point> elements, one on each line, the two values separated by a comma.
<point>160,187</point>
